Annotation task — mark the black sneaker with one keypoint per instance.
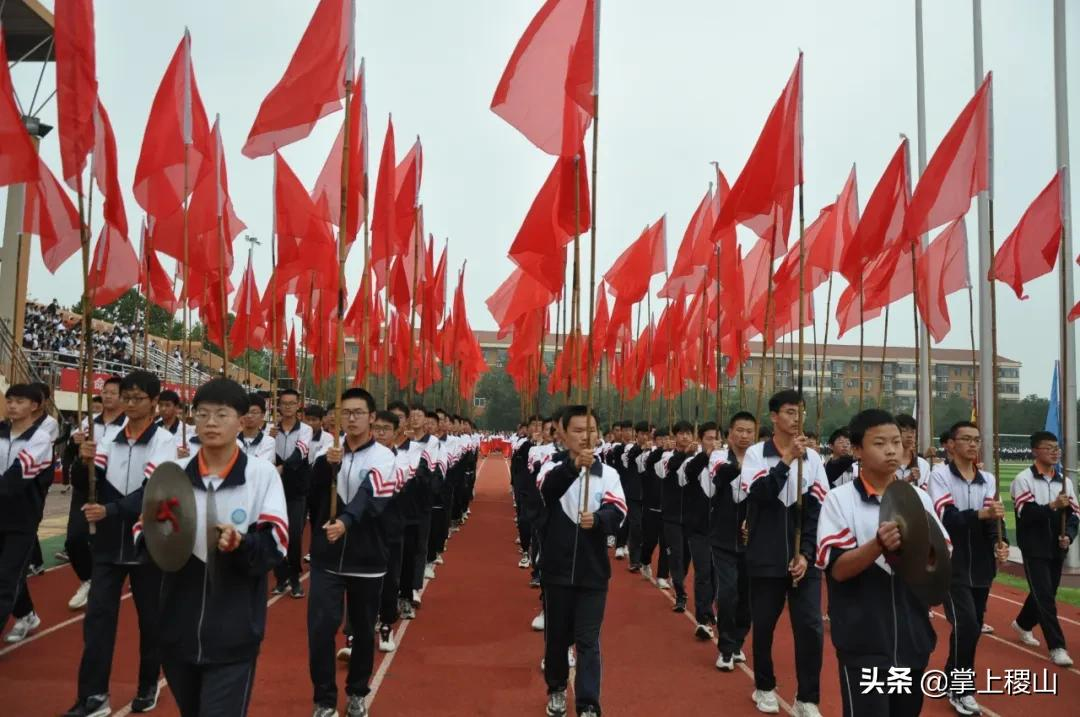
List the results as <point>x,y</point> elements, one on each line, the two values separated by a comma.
<point>680,604</point>
<point>96,706</point>
<point>534,583</point>
<point>297,592</point>
<point>280,588</point>
<point>634,568</point>
<point>35,570</point>
<point>146,699</point>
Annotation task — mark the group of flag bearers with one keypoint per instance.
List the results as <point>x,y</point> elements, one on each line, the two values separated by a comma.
<point>728,501</point>
<point>403,482</point>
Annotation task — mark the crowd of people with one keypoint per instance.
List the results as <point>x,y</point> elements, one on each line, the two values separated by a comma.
<point>49,328</point>
<point>383,495</point>
<point>724,500</point>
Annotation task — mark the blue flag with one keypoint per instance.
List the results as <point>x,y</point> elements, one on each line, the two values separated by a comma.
<point>1053,413</point>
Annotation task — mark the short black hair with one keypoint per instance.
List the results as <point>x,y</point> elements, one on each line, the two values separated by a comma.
<point>839,433</point>
<point>223,391</point>
<point>388,416</point>
<point>1039,436</point>
<point>314,411</point>
<point>662,433</point>
<point>144,381</point>
<point>683,427</point>
<point>173,397</point>
<point>420,407</point>
<point>440,413</point>
<point>112,380</point>
<point>906,421</point>
<point>707,426</point>
<point>434,416</point>
<point>44,388</point>
<point>569,412</point>
<point>765,433</point>
<point>642,427</point>
<point>25,390</point>
<point>787,397</point>
<point>357,392</point>
<point>288,392</point>
<point>399,406</point>
<point>741,416</point>
<point>945,436</point>
<point>863,421</point>
<point>96,399</point>
<point>961,424</point>
<point>254,399</point>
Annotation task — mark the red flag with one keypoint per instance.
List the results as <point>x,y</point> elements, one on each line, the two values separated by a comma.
<point>826,253</point>
<point>384,219</point>
<point>18,158</point>
<point>106,173</point>
<point>407,177</point>
<point>327,191</point>
<point>76,84</point>
<point>1032,248</point>
<point>114,268</point>
<point>882,221</point>
<point>50,213</point>
<point>156,286</point>
<point>313,84</point>
<point>762,195</point>
<point>695,252</point>
<point>305,245</point>
<point>290,354</point>
<point>942,270</point>
<point>547,89</point>
<point>628,278</point>
<point>249,328</point>
<point>177,119</point>
<point>517,296</point>
<point>959,169</point>
<point>599,330</point>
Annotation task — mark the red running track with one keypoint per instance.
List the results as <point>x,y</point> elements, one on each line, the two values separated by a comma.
<point>471,650</point>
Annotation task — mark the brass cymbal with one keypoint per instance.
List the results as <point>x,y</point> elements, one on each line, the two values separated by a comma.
<point>169,518</point>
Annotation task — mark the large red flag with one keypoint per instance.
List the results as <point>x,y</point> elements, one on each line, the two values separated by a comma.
<point>327,191</point>
<point>547,88</point>
<point>882,222</point>
<point>942,270</point>
<point>628,278</point>
<point>959,169</point>
<point>516,296</point>
<point>114,268</point>
<point>384,217</point>
<point>305,245</point>
<point>837,232</point>
<point>695,252</point>
<point>18,158</point>
<point>156,286</point>
<point>1032,248</point>
<point>290,354</point>
<point>50,213</point>
<point>177,120</point>
<point>762,196</point>
<point>407,176</point>
<point>245,332</point>
<point>106,173</point>
<point>313,84</point>
<point>76,84</point>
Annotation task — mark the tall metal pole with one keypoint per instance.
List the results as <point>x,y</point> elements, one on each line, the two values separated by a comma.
<point>987,379</point>
<point>924,389</point>
<point>1068,337</point>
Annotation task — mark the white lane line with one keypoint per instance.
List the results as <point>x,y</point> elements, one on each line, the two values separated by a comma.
<point>48,631</point>
<point>1020,604</point>
<point>163,683</point>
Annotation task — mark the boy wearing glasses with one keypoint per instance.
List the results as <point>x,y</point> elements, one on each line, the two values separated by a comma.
<point>292,441</point>
<point>349,553</point>
<point>213,610</point>
<point>253,441</point>
<point>965,500</point>
<point>1045,503</point>
<point>121,468</point>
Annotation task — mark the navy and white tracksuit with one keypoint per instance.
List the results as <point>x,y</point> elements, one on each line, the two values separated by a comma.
<point>291,450</point>
<point>727,510</point>
<point>77,540</point>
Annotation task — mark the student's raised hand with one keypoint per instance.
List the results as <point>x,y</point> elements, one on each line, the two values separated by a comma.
<point>333,455</point>
<point>797,567</point>
<point>1060,503</point>
<point>183,452</point>
<point>588,520</point>
<point>584,460</point>
<point>87,449</point>
<point>229,538</point>
<point>796,450</point>
<point>1001,552</point>
<point>273,431</point>
<point>94,512</point>
<point>888,536</point>
<point>994,511</point>
<point>334,530</point>
<point>78,437</point>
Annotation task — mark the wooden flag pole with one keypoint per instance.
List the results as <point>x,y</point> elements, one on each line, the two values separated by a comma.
<point>408,390</point>
<point>881,368</point>
<point>575,303</point>
<point>802,410</point>
<point>765,329</point>
<point>86,370</point>
<point>824,353</point>
<point>862,337</point>
<point>222,279</point>
<point>589,417</point>
<point>146,300</point>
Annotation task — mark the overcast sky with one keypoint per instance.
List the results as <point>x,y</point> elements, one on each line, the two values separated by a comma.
<point>683,83</point>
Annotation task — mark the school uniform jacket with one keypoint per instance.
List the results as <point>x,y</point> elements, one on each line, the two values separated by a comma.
<point>693,475</point>
<point>519,465</point>
<point>1037,525</point>
<point>365,483</point>
<point>121,468</point>
<point>727,507</point>
<point>629,473</point>
<point>291,450</point>
<point>957,503</point>
<point>770,486</point>
<point>874,614</point>
<point>261,446</point>
<point>25,460</point>
<point>569,555</point>
<point>652,483</point>
<point>415,496</point>
<point>221,618</point>
<point>320,441</point>
<point>393,515</point>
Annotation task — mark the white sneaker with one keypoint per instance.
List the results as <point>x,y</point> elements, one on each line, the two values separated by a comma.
<point>1026,636</point>
<point>386,642</point>
<point>78,600</point>
<point>805,709</point>
<point>620,553</point>
<point>439,559</point>
<point>766,701</point>
<point>725,664</point>
<point>27,624</point>
<point>987,630</point>
<point>965,704</point>
<point>740,656</point>
<point>571,658</point>
<point>646,572</point>
<point>611,541</point>
<point>429,571</point>
<point>663,584</point>
<point>538,622</point>
<point>1060,658</point>
<point>703,632</point>
<point>524,562</point>
<point>416,598</point>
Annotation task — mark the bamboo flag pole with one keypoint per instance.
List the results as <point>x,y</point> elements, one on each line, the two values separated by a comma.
<point>592,231</point>
<point>343,225</point>
<point>802,302</point>
<point>185,371</point>
<point>881,367</point>
<point>86,370</point>
<point>407,391</point>
<point>768,312</point>
<point>222,279</point>
<point>825,350</point>
<point>862,337</point>
<point>146,298</point>
<point>575,303</point>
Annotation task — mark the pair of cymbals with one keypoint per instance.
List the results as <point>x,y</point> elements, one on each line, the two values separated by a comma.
<point>923,561</point>
<point>169,517</point>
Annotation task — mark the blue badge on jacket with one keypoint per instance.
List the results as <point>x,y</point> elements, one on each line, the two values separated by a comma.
<point>239,516</point>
